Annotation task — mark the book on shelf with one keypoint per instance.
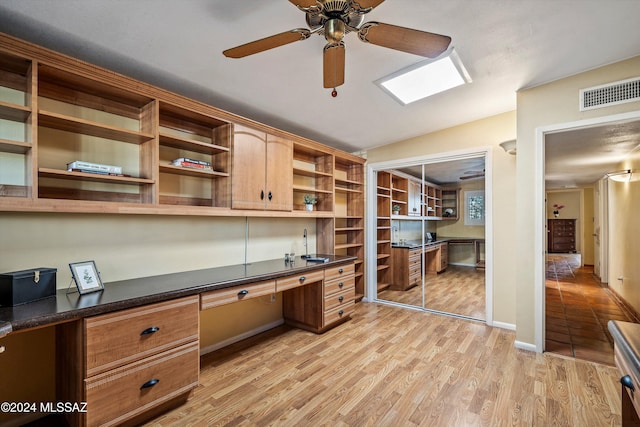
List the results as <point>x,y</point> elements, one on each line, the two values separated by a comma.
<point>96,172</point>
<point>191,165</point>
<point>187,160</point>
<point>94,167</point>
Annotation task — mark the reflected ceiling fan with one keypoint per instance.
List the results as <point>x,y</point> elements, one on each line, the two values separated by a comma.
<point>472,175</point>
<point>335,18</point>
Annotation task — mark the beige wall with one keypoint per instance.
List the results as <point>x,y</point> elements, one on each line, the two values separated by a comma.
<point>488,132</point>
<point>624,233</point>
<point>546,105</point>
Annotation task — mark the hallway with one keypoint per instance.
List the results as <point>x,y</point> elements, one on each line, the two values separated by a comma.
<point>578,308</point>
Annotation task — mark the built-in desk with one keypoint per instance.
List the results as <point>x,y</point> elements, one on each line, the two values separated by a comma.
<point>478,245</point>
<point>626,337</point>
<point>131,351</point>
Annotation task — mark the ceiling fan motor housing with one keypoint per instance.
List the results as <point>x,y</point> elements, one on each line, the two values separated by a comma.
<point>334,10</point>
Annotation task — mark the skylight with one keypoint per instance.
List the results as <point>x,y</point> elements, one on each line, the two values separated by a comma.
<point>425,79</point>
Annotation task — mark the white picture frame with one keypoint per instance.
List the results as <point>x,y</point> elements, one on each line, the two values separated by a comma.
<point>86,276</point>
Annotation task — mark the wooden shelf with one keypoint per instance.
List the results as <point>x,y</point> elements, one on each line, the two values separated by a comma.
<point>199,173</point>
<point>347,182</point>
<point>345,229</point>
<point>310,173</point>
<point>347,190</point>
<point>14,112</point>
<point>347,245</point>
<point>82,176</point>
<point>190,144</point>
<point>301,188</point>
<point>16,147</point>
<point>72,124</point>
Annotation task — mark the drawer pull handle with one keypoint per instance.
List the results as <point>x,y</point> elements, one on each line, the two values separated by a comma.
<point>149,384</point>
<point>627,382</point>
<point>340,313</point>
<point>151,330</point>
<point>340,285</point>
<point>340,298</point>
<point>243,293</point>
<point>340,271</point>
<point>302,278</point>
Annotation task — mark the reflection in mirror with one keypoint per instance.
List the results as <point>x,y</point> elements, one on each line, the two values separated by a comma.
<point>427,255</point>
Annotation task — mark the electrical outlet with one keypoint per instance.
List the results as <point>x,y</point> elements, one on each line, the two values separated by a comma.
<point>273,297</point>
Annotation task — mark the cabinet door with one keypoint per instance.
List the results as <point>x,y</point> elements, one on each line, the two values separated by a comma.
<point>279,179</point>
<point>415,190</point>
<point>248,168</point>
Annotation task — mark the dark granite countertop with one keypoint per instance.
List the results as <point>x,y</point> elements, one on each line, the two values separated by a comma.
<point>146,290</point>
<point>626,336</point>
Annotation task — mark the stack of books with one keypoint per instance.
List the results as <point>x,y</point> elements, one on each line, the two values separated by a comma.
<point>97,168</point>
<point>191,163</point>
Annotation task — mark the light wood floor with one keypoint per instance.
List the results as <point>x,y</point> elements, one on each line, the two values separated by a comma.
<point>396,367</point>
<point>458,290</point>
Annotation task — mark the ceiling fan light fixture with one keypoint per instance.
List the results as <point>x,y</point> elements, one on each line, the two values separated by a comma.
<point>426,78</point>
<point>625,175</point>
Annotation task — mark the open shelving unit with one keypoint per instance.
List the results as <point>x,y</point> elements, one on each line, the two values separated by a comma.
<point>188,134</point>
<point>312,175</point>
<point>16,126</point>
<point>383,232</point>
<point>349,216</point>
<point>81,119</point>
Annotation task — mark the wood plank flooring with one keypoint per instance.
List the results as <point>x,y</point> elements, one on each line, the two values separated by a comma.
<point>578,308</point>
<point>458,290</point>
<point>396,367</point>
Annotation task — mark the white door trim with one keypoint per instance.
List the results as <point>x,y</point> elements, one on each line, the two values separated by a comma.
<point>540,213</point>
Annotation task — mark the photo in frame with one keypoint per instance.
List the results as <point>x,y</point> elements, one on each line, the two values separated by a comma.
<point>86,276</point>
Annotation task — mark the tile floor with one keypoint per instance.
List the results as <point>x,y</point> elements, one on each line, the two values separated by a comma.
<point>578,308</point>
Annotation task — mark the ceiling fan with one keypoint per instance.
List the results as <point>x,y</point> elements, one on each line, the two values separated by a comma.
<point>472,175</point>
<point>335,18</point>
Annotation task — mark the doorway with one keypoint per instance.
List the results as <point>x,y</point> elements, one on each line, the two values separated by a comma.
<point>575,154</point>
<point>420,231</point>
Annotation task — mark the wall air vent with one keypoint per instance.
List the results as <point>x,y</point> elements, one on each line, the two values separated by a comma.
<point>610,94</point>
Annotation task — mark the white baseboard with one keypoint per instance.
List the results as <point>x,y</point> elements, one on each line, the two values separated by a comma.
<point>229,341</point>
<point>525,346</point>
<point>509,326</point>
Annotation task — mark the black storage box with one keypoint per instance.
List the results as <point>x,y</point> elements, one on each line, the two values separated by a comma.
<point>20,287</point>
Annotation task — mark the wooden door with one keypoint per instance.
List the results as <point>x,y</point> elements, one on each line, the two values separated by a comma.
<point>248,168</point>
<point>279,176</point>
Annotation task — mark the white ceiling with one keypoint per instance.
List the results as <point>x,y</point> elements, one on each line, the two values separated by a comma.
<point>504,45</point>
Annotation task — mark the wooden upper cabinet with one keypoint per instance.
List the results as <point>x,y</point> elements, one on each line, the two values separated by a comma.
<point>415,198</point>
<point>279,181</point>
<point>261,171</point>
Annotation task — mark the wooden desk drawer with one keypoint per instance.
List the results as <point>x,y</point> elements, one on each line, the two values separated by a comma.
<point>298,280</point>
<point>338,313</point>
<point>236,293</point>
<point>339,285</point>
<point>343,298</point>
<point>118,395</point>
<point>340,271</point>
<point>115,339</point>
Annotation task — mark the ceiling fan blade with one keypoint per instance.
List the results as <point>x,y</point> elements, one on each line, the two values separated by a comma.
<point>365,4</point>
<point>303,4</point>
<point>333,65</point>
<point>404,39</point>
<point>267,43</point>
<point>481,175</point>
